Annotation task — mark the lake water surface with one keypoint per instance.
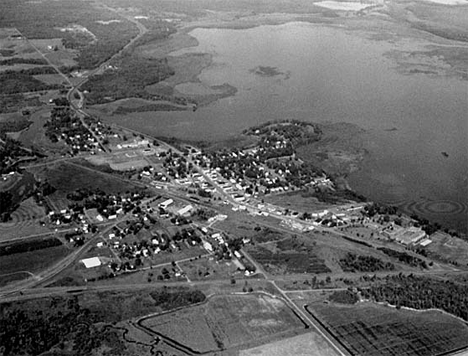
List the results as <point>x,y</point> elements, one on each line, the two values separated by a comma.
<point>326,74</point>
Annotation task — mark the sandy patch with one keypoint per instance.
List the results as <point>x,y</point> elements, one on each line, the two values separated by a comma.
<point>346,6</point>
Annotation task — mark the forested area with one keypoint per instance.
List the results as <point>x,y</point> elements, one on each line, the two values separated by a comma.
<point>357,263</point>
<point>343,297</point>
<point>76,22</point>
<point>299,132</point>
<point>10,151</point>
<point>421,293</point>
<point>76,326</point>
<point>404,257</point>
<point>128,80</point>
<point>27,246</point>
<point>19,60</point>
<point>34,331</point>
<point>20,82</point>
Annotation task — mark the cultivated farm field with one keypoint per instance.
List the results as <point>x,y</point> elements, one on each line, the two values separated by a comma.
<point>370,329</point>
<point>224,322</point>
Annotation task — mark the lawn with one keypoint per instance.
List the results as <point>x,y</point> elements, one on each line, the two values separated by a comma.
<point>370,329</point>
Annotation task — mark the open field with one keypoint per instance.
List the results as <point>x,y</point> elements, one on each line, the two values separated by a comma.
<point>74,22</point>
<point>301,345</point>
<point>225,322</point>
<point>16,102</point>
<point>15,229</point>
<point>24,221</point>
<point>12,277</point>
<point>28,210</point>
<point>70,177</point>
<point>16,53</point>
<point>369,329</point>
<point>124,161</point>
<point>296,201</point>
<point>289,256</point>
<point>35,137</point>
<point>57,201</point>
<point>207,268</point>
<point>33,261</point>
<point>51,78</point>
<point>447,248</point>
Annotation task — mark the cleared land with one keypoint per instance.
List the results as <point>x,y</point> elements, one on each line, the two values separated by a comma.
<point>370,329</point>
<point>208,268</point>
<point>301,345</point>
<point>288,257</point>
<point>32,261</point>
<point>446,248</point>
<point>70,177</point>
<point>225,322</point>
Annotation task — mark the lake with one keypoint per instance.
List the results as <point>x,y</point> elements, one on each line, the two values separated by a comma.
<point>329,74</point>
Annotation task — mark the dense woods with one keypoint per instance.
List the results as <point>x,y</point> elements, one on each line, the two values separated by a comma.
<point>74,326</point>
<point>82,27</point>
<point>357,263</point>
<point>127,80</point>
<point>27,246</point>
<point>19,82</point>
<point>404,257</point>
<point>421,293</point>
<point>344,297</point>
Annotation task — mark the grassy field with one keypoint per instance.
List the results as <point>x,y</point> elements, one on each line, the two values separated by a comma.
<point>207,268</point>
<point>447,248</point>
<point>33,261</point>
<point>122,161</point>
<point>301,345</point>
<point>370,329</point>
<point>69,177</point>
<point>225,322</point>
<point>16,102</point>
<point>291,255</point>
<point>14,229</point>
<point>15,276</point>
<point>295,201</point>
<point>35,134</point>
